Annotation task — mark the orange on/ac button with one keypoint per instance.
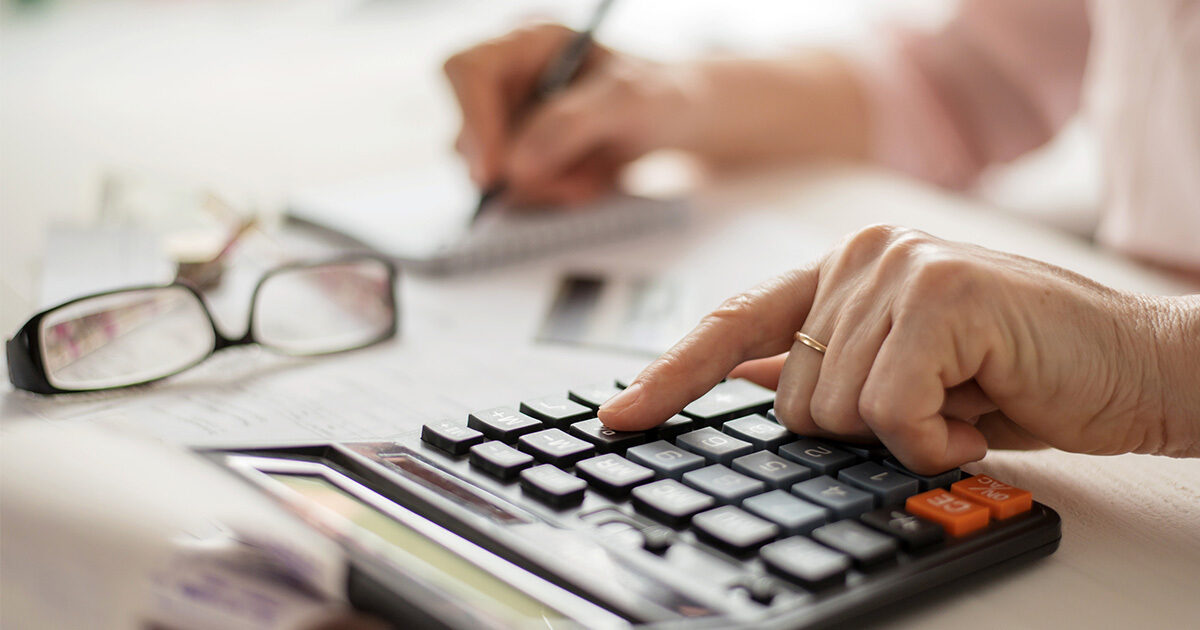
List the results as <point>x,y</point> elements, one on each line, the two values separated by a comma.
<point>956,515</point>
<point>1002,499</point>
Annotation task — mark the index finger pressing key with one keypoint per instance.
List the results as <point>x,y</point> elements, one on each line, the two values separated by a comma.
<point>755,324</point>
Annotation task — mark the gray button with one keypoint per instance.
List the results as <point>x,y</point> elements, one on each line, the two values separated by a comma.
<point>794,515</point>
<point>715,446</point>
<point>665,458</point>
<point>842,499</point>
<point>723,484</point>
<point>774,470</point>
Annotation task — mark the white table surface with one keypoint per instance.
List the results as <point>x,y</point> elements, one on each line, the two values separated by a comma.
<point>210,106</point>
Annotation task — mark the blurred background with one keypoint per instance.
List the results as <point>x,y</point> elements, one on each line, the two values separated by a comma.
<point>257,99</point>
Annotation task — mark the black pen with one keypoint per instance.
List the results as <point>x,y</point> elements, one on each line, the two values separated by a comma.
<point>555,78</point>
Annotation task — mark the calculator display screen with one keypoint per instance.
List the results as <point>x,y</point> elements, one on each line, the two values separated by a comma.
<point>420,556</point>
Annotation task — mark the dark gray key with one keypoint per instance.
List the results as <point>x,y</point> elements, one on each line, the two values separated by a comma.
<point>670,502</point>
<point>551,486</point>
<point>556,411</point>
<point>858,541</point>
<point>553,446</point>
<point>612,473</point>
<point>912,532</point>
<point>593,395</point>
<point>723,484</point>
<point>450,436</point>
<point>888,486</point>
<point>776,471</point>
<point>732,529</point>
<point>605,439</point>
<point>842,499</point>
<point>926,482</point>
<point>713,445</point>
<point>792,514</point>
<point>803,561</point>
<point>499,460</point>
<point>674,426</point>
<point>823,458</point>
<point>503,423</point>
<point>759,431</point>
<point>729,400</point>
<point>665,458</point>
<point>874,452</point>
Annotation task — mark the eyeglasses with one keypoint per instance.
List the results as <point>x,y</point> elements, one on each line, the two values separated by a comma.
<point>139,335</point>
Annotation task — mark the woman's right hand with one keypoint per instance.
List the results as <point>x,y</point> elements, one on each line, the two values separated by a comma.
<point>570,148</point>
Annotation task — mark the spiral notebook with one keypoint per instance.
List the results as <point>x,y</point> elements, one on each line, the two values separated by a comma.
<point>423,220</point>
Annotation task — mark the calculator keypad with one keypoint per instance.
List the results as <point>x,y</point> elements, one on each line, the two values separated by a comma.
<point>726,474</point>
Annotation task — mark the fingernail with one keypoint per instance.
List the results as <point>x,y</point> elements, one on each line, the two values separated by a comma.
<point>622,401</point>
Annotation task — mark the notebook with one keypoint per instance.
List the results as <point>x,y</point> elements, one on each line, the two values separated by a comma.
<point>422,218</point>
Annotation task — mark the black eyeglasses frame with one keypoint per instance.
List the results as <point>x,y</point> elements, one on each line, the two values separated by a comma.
<point>27,369</point>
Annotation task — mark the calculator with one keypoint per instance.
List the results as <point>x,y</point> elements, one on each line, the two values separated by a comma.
<point>537,516</point>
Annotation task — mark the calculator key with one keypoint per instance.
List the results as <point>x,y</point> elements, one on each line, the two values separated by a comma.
<point>866,546</point>
<point>842,499</point>
<point>792,514</point>
<point>503,423</point>
<point>874,452</point>
<point>606,439</point>
<point>556,411</point>
<point>450,436</point>
<point>926,482</point>
<point>1004,501</point>
<point>552,486</point>
<point>499,459</point>
<point>714,445</point>
<point>593,395</point>
<point>772,469</point>
<point>670,502</point>
<point>674,426</point>
<point>723,484</point>
<point>821,457</point>
<point>612,473</point>
<point>803,561</point>
<point>955,514</point>
<point>912,532</point>
<point>553,446</point>
<point>732,529</point>
<point>729,400</point>
<point>759,431</point>
<point>888,486</point>
<point>665,458</point>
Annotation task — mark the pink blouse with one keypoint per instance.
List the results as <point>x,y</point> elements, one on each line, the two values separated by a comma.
<point>1004,75</point>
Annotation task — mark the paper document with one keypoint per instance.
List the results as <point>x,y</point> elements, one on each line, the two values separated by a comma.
<point>423,220</point>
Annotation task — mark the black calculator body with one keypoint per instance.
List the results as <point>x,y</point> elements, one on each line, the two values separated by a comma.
<point>494,521</point>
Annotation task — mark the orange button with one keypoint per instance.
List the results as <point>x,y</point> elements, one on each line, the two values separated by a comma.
<point>957,515</point>
<point>1002,499</point>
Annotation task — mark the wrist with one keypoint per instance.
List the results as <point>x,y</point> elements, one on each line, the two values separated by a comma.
<point>804,106</point>
<point>1175,328</point>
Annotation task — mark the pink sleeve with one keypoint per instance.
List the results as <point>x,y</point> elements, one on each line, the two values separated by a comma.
<point>995,82</point>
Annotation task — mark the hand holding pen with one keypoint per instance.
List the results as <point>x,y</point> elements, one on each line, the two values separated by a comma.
<point>553,118</point>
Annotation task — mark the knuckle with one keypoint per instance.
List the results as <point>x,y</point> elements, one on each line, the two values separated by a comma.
<point>941,275</point>
<point>735,311</point>
<point>865,245</point>
<point>877,410</point>
<point>873,237</point>
<point>831,410</point>
<point>789,411</point>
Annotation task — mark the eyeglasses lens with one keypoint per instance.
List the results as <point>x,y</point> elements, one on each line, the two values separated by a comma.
<point>327,308</point>
<point>124,338</point>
